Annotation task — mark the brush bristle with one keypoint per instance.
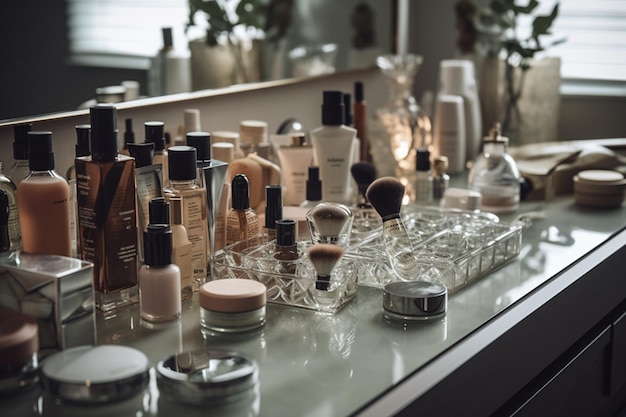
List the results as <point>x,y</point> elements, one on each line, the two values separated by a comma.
<point>364,173</point>
<point>385,194</point>
<point>329,219</point>
<point>324,257</point>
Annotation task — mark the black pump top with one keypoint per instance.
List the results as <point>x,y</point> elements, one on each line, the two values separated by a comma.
<point>83,140</point>
<point>347,109</point>
<point>157,244</point>
<point>155,133</point>
<point>20,141</point>
<point>182,163</point>
<point>159,211</point>
<point>422,161</point>
<point>285,232</point>
<point>168,41</point>
<point>358,91</point>
<point>314,185</point>
<point>129,133</point>
<point>240,192</point>
<point>202,142</point>
<point>333,113</point>
<point>273,205</point>
<point>40,155</point>
<point>142,152</point>
<point>103,132</point>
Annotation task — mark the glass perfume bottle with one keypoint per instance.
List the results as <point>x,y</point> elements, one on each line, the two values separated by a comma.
<point>423,184</point>
<point>495,175</point>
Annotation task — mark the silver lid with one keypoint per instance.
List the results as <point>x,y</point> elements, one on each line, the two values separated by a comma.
<point>206,376</point>
<point>415,300</point>
<point>96,374</point>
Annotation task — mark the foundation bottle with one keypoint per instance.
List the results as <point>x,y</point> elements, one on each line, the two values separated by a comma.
<point>253,138</point>
<point>182,172</point>
<point>107,219</point>
<point>13,220</point>
<point>19,169</point>
<point>159,278</point>
<point>155,133</point>
<point>43,201</point>
<point>181,247</point>
<point>242,222</point>
<point>83,148</point>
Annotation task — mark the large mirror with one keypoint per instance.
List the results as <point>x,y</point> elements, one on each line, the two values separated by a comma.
<point>40,77</point>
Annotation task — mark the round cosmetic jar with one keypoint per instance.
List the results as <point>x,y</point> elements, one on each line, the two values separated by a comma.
<point>414,300</point>
<point>206,376</point>
<point>232,305</point>
<point>599,188</point>
<point>19,346</point>
<point>95,374</point>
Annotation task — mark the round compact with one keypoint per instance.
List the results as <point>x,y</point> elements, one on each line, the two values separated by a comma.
<point>19,346</point>
<point>599,188</point>
<point>206,376</point>
<point>232,305</point>
<point>414,300</point>
<point>95,374</point>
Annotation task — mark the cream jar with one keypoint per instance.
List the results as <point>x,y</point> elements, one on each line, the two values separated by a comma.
<point>19,346</point>
<point>232,305</point>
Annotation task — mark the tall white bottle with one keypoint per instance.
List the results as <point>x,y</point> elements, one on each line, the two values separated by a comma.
<point>457,77</point>
<point>333,147</point>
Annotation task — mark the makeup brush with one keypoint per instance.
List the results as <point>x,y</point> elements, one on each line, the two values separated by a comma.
<point>364,173</point>
<point>330,223</point>
<point>324,258</point>
<point>385,194</point>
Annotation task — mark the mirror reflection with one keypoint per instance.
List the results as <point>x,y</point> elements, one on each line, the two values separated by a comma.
<point>52,69</point>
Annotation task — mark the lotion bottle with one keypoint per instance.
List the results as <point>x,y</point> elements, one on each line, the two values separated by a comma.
<point>294,160</point>
<point>43,201</point>
<point>242,223</point>
<point>159,278</point>
<point>107,226</point>
<point>333,145</point>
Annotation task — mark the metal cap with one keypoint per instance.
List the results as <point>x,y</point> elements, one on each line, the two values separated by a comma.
<point>415,300</point>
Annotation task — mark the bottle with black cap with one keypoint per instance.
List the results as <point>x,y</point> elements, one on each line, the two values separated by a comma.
<point>19,169</point>
<point>313,188</point>
<point>155,133</point>
<point>159,278</point>
<point>423,182</point>
<point>83,148</point>
<point>13,221</point>
<point>182,173</point>
<point>333,148</point>
<point>107,227</point>
<point>273,210</point>
<point>5,212</point>
<point>211,175</point>
<point>43,201</point>
<point>286,248</point>
<point>242,222</point>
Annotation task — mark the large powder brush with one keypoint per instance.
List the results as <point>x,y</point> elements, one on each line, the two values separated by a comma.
<point>385,195</point>
<point>364,173</point>
<point>328,222</point>
<point>324,257</point>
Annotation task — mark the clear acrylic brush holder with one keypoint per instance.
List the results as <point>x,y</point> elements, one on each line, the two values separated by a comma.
<point>288,281</point>
<point>452,247</point>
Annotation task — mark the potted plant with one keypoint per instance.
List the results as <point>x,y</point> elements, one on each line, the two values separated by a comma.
<point>508,50</point>
<point>227,54</point>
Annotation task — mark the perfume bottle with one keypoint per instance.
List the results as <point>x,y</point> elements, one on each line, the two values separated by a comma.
<point>423,182</point>
<point>107,226</point>
<point>43,201</point>
<point>182,172</point>
<point>286,247</point>
<point>242,222</point>
<point>159,278</point>
<point>13,220</point>
<point>495,175</point>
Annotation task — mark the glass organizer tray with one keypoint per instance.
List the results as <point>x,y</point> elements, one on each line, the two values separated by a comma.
<point>452,247</point>
<point>289,282</point>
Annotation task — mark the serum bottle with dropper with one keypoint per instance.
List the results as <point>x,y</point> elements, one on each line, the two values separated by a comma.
<point>242,222</point>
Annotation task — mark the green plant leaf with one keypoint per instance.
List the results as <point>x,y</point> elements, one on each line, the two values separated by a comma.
<point>542,24</point>
<point>532,5</point>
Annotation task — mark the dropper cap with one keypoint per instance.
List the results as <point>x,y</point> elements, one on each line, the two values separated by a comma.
<point>103,132</point>
<point>142,152</point>
<point>159,211</point>
<point>83,140</point>
<point>240,195</point>
<point>273,205</point>
<point>314,185</point>
<point>20,141</point>
<point>333,113</point>
<point>182,163</point>
<point>40,155</point>
<point>155,133</point>
<point>157,243</point>
<point>202,142</point>
<point>285,232</point>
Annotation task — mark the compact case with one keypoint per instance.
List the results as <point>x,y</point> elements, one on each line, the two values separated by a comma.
<point>414,300</point>
<point>599,188</point>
